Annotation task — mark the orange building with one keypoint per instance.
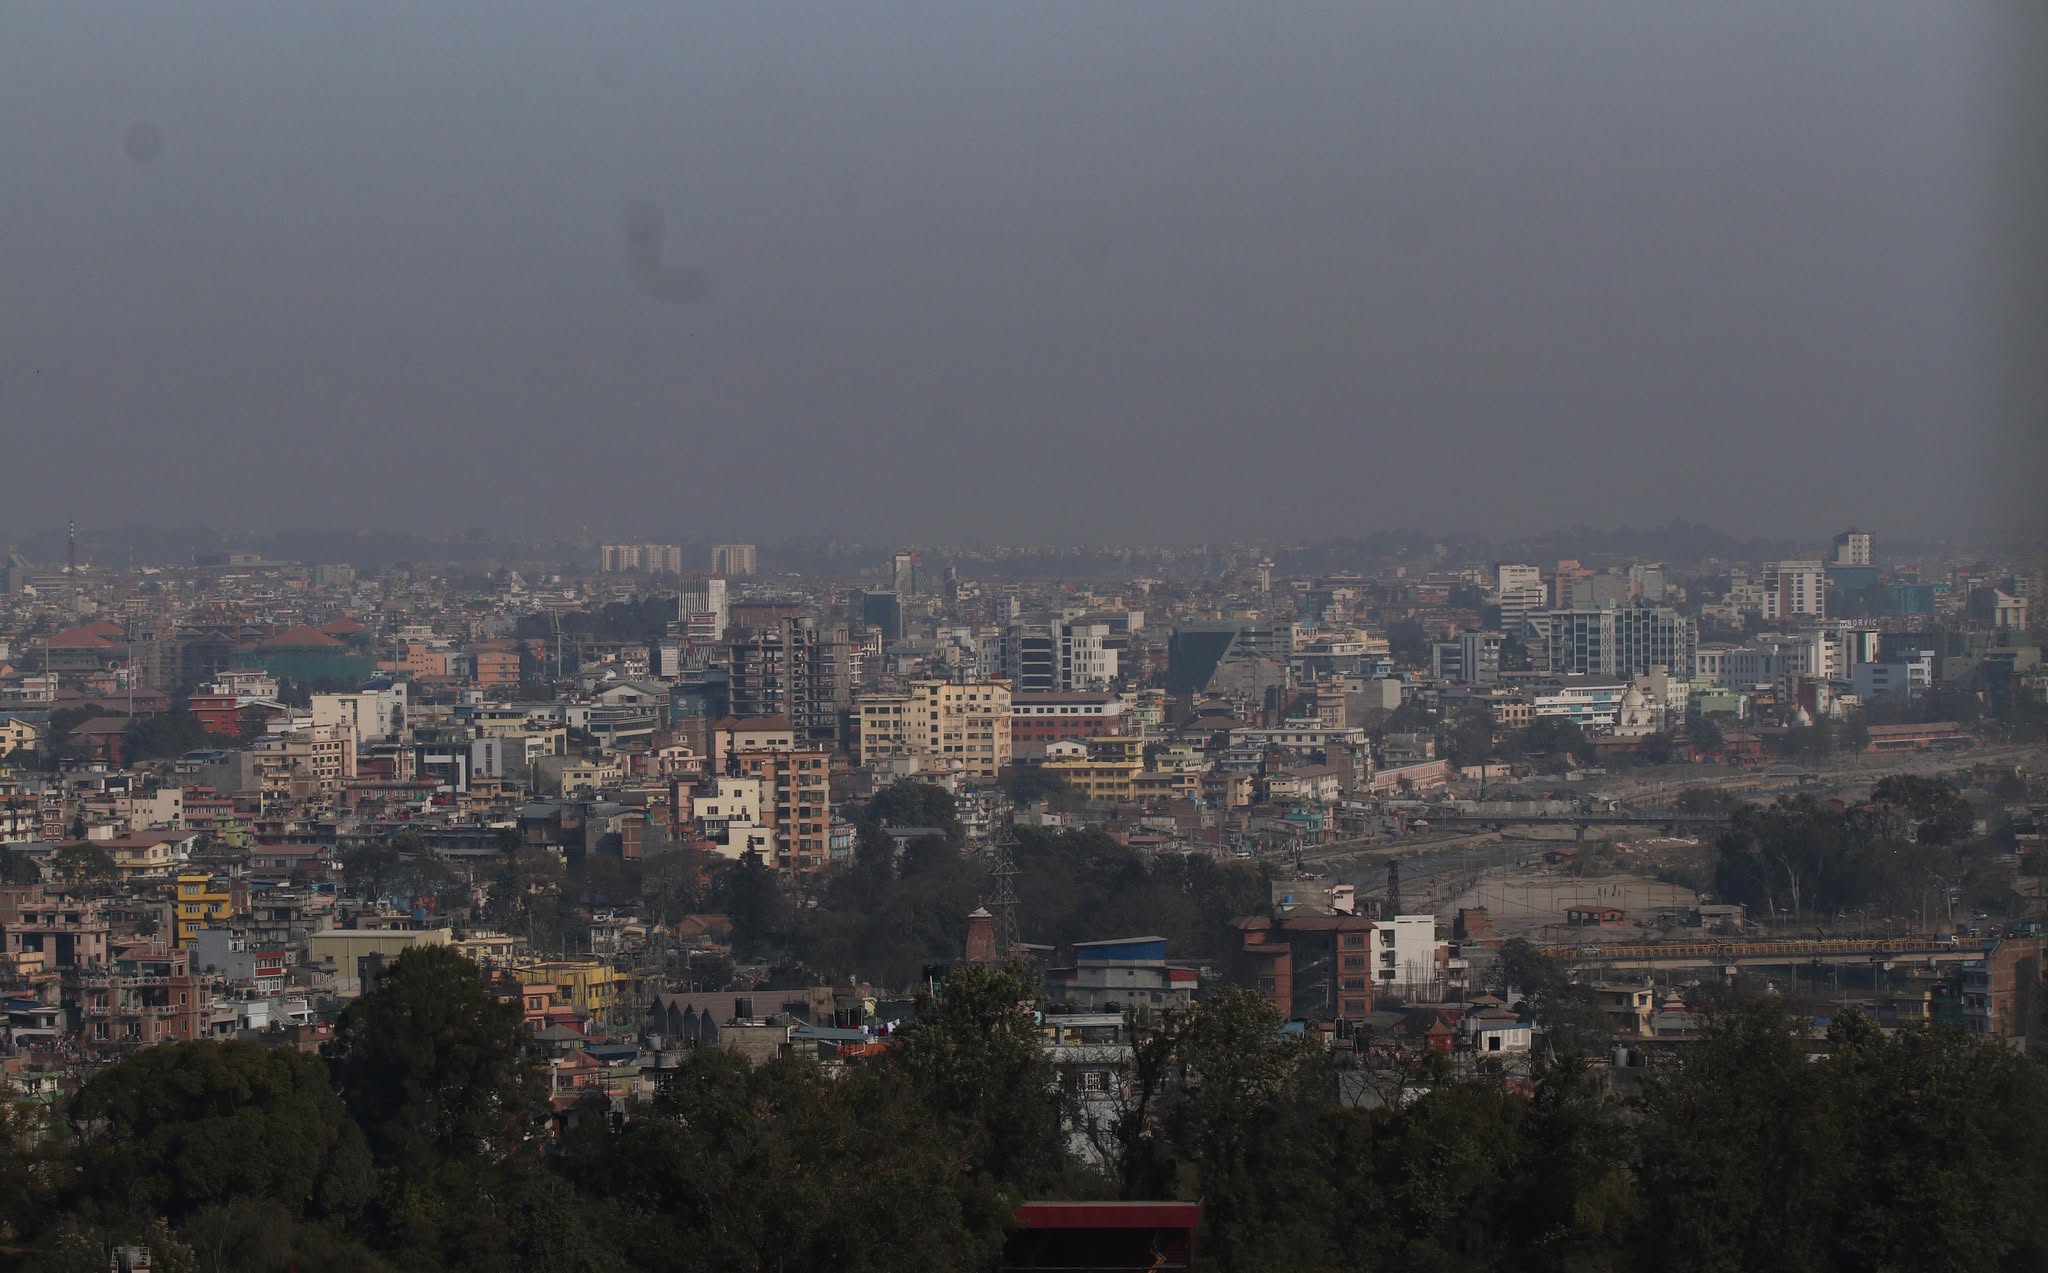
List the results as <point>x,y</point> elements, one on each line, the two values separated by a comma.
<point>497,667</point>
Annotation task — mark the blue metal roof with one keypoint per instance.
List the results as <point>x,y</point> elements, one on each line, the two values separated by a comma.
<point>1120,950</point>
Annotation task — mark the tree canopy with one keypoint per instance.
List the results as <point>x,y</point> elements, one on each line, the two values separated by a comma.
<point>1762,1147</point>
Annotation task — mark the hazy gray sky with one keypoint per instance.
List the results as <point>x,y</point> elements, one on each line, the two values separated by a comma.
<point>982,270</point>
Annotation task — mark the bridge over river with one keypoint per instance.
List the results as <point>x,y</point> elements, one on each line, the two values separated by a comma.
<point>1878,952</point>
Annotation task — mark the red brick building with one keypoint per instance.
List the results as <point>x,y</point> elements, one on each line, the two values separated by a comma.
<point>147,995</point>
<point>1048,717</point>
<point>1309,967</point>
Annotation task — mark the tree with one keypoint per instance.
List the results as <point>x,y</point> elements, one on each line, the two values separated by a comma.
<point>184,1126</point>
<point>33,1168</point>
<point>1469,740</point>
<point>1555,740</point>
<point>1514,655</point>
<point>1762,1190</point>
<point>916,804</point>
<point>1907,1103</point>
<point>1704,800</point>
<point>1908,1151</point>
<point>433,1066</point>
<point>1030,784</point>
<point>165,735</point>
<point>1940,814</point>
<point>1408,643</point>
<point>752,894</point>
<point>258,1233</point>
<point>774,1167</point>
<point>1221,1102</point>
<point>82,863</point>
<point>1569,1014</point>
<point>1853,735</point>
<point>1411,717</point>
<point>1706,735</point>
<point>973,1059</point>
<point>18,868</point>
<point>370,865</point>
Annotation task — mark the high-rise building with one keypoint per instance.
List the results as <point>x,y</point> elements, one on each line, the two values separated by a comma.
<point>733,561</point>
<point>1646,581</point>
<point>1855,548</point>
<point>1569,572</point>
<point>1519,602</point>
<point>940,725</point>
<point>903,574</point>
<point>1515,575</point>
<point>1612,640</point>
<point>1069,655</point>
<point>703,610</point>
<point>1472,658</point>
<point>798,670</point>
<point>641,559</point>
<point>1599,589</point>
<point>1031,659</point>
<point>796,786</point>
<point>1793,589</point>
<point>883,611</point>
<point>1088,658</point>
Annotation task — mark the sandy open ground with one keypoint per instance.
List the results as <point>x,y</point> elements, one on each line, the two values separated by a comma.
<point>1533,905</point>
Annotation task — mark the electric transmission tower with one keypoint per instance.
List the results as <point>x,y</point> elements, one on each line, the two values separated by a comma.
<point>1002,873</point>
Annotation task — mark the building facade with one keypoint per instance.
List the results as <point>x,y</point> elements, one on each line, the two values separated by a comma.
<point>1612,640</point>
<point>940,725</point>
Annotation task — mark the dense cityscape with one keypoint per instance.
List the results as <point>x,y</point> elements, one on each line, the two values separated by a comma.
<point>1155,636</point>
<point>1352,904</point>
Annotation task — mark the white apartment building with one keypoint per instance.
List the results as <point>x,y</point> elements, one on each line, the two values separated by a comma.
<point>728,812</point>
<point>1854,548</point>
<point>1902,679</point>
<point>1794,588</point>
<point>1517,604</point>
<point>1405,957</point>
<point>1591,702</point>
<point>373,716</point>
<point>1087,659</point>
<point>703,609</point>
<point>1516,575</point>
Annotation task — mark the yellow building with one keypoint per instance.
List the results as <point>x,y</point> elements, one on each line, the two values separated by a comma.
<point>940,725</point>
<point>340,951</point>
<point>1171,784</point>
<point>1108,772</point>
<point>602,994</point>
<point>140,853</point>
<point>17,735</point>
<point>203,900</point>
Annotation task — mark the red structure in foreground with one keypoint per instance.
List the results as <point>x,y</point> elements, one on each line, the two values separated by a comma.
<point>1102,1237</point>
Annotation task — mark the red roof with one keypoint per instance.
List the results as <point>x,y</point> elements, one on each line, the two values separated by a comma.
<point>1108,1215</point>
<point>302,637</point>
<point>79,639</point>
<point>342,627</point>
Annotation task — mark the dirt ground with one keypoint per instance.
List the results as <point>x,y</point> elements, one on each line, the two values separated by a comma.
<point>1532,905</point>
